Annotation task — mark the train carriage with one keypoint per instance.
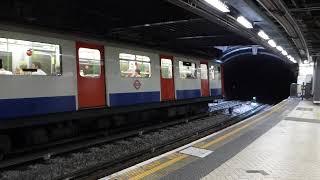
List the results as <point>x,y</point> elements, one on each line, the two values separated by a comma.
<point>26,94</point>
<point>81,75</point>
<point>61,86</point>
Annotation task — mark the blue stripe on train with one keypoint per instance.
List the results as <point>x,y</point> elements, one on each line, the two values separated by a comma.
<point>122,99</point>
<point>216,92</point>
<point>10,108</point>
<point>185,94</point>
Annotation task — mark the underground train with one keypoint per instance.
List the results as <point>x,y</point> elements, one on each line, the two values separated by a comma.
<point>81,74</point>
<point>55,85</point>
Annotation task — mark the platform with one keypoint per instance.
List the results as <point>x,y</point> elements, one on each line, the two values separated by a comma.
<point>280,143</point>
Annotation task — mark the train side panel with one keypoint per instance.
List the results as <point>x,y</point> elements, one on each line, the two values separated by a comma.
<point>28,95</point>
<point>124,85</point>
<point>215,79</point>
<point>187,87</point>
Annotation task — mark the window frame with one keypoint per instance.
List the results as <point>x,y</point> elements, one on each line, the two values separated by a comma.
<point>34,48</point>
<point>135,60</point>
<point>196,72</point>
<point>212,68</point>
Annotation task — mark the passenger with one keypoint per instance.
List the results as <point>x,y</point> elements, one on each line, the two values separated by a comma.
<point>18,71</point>
<point>147,73</point>
<point>3,71</point>
<point>37,66</point>
<point>137,73</point>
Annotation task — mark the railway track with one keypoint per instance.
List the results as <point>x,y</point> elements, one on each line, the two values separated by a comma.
<point>77,144</point>
<point>107,168</point>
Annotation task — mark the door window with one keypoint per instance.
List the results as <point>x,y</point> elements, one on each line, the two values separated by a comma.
<point>204,71</point>
<point>89,62</point>
<point>166,68</point>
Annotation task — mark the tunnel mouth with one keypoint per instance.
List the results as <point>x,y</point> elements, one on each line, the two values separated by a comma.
<point>263,76</point>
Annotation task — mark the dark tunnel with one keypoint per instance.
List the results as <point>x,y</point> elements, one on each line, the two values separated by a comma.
<point>262,76</point>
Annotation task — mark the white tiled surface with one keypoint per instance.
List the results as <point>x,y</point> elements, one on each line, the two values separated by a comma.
<point>193,151</point>
<point>290,150</point>
<point>314,114</point>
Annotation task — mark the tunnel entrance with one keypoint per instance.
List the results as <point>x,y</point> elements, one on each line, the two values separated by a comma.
<point>262,76</point>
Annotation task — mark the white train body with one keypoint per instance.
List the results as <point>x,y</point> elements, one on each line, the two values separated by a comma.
<point>58,91</point>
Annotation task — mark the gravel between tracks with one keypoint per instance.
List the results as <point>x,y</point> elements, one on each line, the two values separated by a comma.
<point>60,165</point>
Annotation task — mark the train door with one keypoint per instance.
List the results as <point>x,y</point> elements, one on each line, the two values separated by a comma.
<point>204,79</point>
<point>167,78</point>
<point>91,76</point>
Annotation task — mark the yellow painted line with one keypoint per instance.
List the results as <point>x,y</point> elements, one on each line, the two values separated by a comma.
<point>239,129</point>
<point>181,157</point>
<point>158,168</point>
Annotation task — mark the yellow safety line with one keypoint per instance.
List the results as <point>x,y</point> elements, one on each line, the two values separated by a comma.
<point>179,158</point>
<point>158,168</point>
<point>238,129</point>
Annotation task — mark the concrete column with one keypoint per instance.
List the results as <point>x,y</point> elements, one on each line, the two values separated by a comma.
<point>316,81</point>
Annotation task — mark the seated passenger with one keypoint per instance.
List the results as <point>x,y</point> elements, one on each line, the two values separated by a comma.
<point>147,74</point>
<point>37,66</point>
<point>137,73</point>
<point>18,71</point>
<point>3,71</point>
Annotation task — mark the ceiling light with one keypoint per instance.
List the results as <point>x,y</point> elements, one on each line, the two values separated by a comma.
<point>284,52</point>
<point>218,5</point>
<point>291,59</point>
<point>272,43</point>
<point>280,48</point>
<point>244,22</point>
<point>263,35</point>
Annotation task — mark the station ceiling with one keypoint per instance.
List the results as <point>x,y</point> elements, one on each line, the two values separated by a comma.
<point>152,23</point>
<point>307,15</point>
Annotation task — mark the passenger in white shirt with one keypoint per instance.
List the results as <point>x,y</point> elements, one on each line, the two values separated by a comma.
<point>3,71</point>
<point>37,65</point>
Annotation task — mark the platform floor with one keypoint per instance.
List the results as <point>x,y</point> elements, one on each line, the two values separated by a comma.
<point>280,143</point>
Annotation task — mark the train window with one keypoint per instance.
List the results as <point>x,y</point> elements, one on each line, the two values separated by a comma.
<point>212,71</point>
<point>89,62</point>
<point>204,71</point>
<point>187,70</point>
<point>134,66</point>
<point>166,68</point>
<point>20,57</point>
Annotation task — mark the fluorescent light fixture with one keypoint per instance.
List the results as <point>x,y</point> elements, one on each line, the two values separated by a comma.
<point>291,59</point>
<point>272,43</point>
<point>244,22</point>
<point>218,5</point>
<point>218,61</point>
<point>284,52</point>
<point>280,48</point>
<point>263,35</point>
